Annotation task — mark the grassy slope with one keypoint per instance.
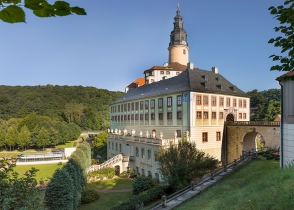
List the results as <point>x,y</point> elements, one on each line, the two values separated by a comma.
<point>108,200</point>
<point>44,172</point>
<point>258,185</point>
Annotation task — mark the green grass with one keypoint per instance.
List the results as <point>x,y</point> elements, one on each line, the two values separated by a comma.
<point>66,145</point>
<point>107,200</point>
<point>114,184</point>
<point>260,184</point>
<point>45,170</point>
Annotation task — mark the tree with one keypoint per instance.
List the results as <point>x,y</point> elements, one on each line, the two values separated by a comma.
<point>43,138</point>
<point>24,137</point>
<point>285,15</point>
<point>59,192</point>
<point>2,137</point>
<point>18,192</point>
<point>179,164</point>
<point>11,136</point>
<point>100,145</point>
<point>11,10</point>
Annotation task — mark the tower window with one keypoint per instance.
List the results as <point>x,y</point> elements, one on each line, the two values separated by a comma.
<point>184,51</point>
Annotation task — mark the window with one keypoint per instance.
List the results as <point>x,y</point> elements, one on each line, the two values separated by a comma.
<point>122,107</point>
<point>213,101</point>
<point>118,118</point>
<point>234,102</point>
<point>137,106</point>
<point>179,115</point>
<point>129,107</point>
<point>244,116</point>
<point>218,135</point>
<point>143,153</point>
<point>143,171</point>
<point>161,72</point>
<point>177,73</point>
<point>149,154</point>
<point>221,115</point>
<point>179,100</point>
<point>141,117</point>
<point>108,145</point>
<point>119,147</point>
<point>149,173</point>
<point>136,117</point>
<point>204,137</point>
<point>156,176</point>
<point>118,108</point>
<point>179,133</point>
<point>112,146</point>
<point>199,115</point>
<point>244,103</point>
<point>152,80</point>
<point>137,169</point>
<point>152,116</point>
<point>198,99</point>
<point>228,102</point>
<point>147,81</point>
<point>141,105</point>
<point>205,115</point>
<point>128,117</point>
<point>240,102</point>
<point>125,117</point>
<point>160,100</point>
<point>146,104</point>
<point>167,72</point>
<point>146,116</point>
<point>184,51</point>
<point>132,106</point>
<point>160,116</point>
<point>125,107</point>
<point>132,117</point>
<point>122,118</point>
<point>221,101</point>
<point>152,103</point>
<point>137,152</point>
<point>213,115</point>
<point>169,115</point>
<point>115,146</point>
<point>115,118</point>
<point>205,100</point>
<point>240,115</point>
<point>169,101</point>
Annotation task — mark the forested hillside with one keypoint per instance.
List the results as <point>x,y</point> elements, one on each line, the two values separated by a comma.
<point>265,105</point>
<point>87,107</point>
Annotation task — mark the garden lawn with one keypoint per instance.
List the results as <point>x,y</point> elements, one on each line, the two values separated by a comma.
<point>113,184</point>
<point>66,145</point>
<point>260,184</point>
<point>45,171</point>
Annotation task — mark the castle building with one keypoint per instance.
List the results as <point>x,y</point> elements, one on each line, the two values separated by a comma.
<point>177,101</point>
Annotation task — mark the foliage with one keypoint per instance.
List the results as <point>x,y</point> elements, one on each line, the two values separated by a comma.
<point>86,149</point>
<point>71,170</point>
<point>18,192</point>
<point>101,174</point>
<point>143,183</point>
<point>284,14</point>
<point>265,105</point>
<point>100,145</point>
<point>141,199</point>
<point>59,192</point>
<point>31,103</point>
<point>11,10</point>
<point>179,164</point>
<point>89,195</point>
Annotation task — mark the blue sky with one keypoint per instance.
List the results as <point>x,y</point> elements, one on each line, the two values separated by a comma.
<point>118,40</point>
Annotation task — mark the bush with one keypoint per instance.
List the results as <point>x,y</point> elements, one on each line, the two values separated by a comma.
<point>141,199</point>
<point>101,174</point>
<point>89,195</point>
<point>143,183</point>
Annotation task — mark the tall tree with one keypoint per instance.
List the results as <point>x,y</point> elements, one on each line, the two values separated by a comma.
<point>11,10</point>
<point>284,14</point>
<point>11,136</point>
<point>179,164</point>
<point>24,137</point>
<point>100,145</point>
<point>43,138</point>
<point>2,137</point>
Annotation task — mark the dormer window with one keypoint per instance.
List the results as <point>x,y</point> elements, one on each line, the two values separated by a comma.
<point>184,51</point>
<point>161,72</point>
<point>222,87</point>
<point>218,79</point>
<point>205,77</point>
<point>233,88</point>
<point>167,72</point>
<point>205,84</point>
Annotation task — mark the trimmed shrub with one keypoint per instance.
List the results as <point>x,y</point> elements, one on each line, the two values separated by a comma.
<point>101,174</point>
<point>71,170</point>
<point>86,149</point>
<point>141,199</point>
<point>59,192</point>
<point>89,195</point>
<point>143,183</point>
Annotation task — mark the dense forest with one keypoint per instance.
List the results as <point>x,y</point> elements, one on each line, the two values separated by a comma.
<point>265,105</point>
<point>48,115</point>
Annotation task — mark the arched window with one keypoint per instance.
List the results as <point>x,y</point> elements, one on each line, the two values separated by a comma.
<point>184,51</point>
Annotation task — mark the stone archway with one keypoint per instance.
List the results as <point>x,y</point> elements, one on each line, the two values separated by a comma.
<point>230,117</point>
<point>249,141</point>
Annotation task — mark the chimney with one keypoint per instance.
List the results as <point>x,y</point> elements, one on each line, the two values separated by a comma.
<point>137,84</point>
<point>215,69</point>
<point>190,65</point>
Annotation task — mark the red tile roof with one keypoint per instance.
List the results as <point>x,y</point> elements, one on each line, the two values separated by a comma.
<point>287,76</point>
<point>138,81</point>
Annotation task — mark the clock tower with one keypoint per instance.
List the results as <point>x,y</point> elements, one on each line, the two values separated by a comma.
<point>178,45</point>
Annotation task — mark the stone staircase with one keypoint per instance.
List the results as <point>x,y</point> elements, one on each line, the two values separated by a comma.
<point>109,163</point>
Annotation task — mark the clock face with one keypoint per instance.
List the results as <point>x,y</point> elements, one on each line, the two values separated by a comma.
<point>183,42</point>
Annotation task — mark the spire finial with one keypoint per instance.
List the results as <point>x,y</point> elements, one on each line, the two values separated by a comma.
<point>178,6</point>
